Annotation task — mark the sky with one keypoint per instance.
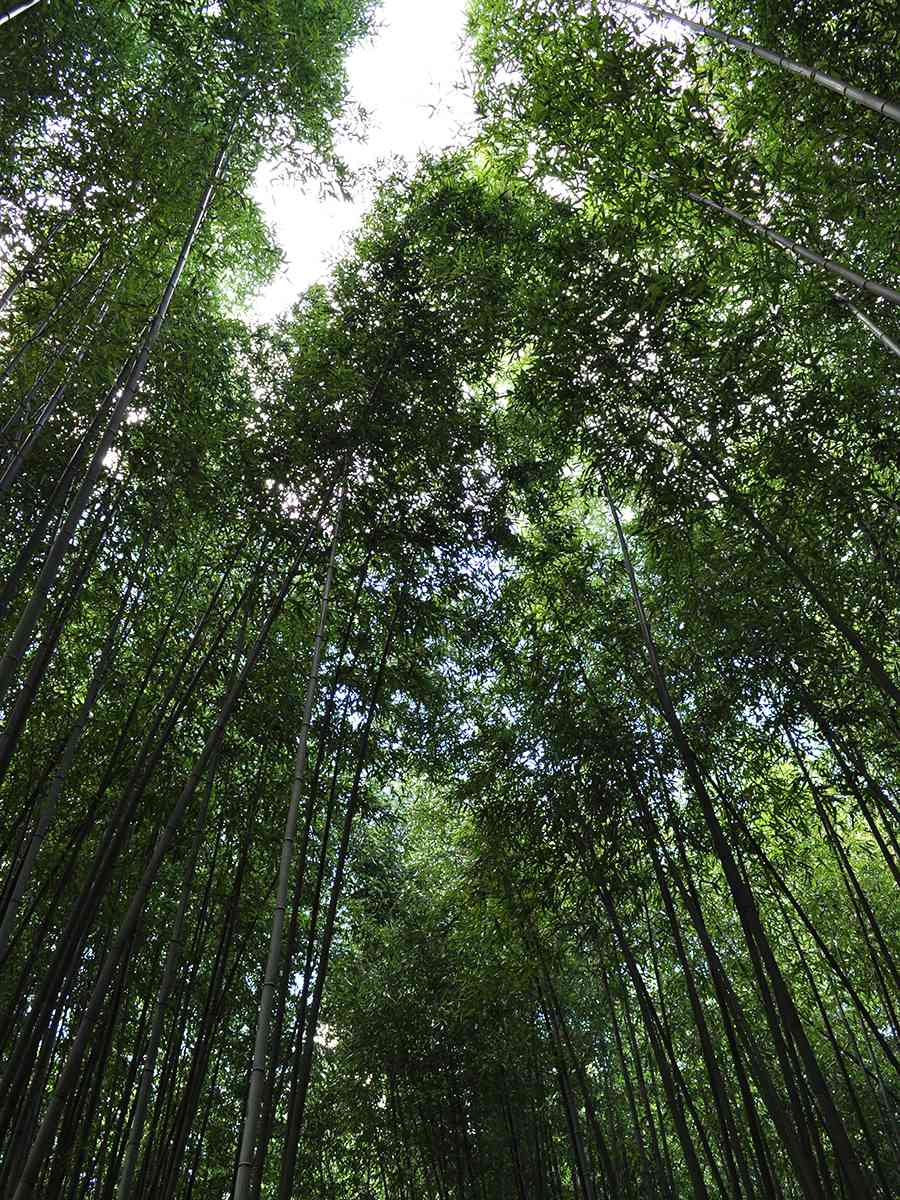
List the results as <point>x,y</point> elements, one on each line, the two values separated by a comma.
<point>408,77</point>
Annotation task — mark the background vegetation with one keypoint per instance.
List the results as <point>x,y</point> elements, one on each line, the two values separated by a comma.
<point>450,735</point>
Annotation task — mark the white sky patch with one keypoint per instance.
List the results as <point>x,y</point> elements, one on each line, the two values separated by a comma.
<point>409,78</point>
<point>324,1037</point>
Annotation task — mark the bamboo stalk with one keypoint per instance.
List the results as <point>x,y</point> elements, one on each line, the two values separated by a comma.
<point>884,107</point>
<point>16,10</point>
<point>778,239</point>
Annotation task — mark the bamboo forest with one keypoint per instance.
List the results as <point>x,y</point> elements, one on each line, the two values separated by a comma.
<point>451,730</point>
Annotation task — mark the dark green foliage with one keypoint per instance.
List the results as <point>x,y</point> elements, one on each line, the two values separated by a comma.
<point>592,890</point>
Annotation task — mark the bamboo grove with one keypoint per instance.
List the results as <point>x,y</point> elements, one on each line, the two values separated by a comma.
<point>450,734</point>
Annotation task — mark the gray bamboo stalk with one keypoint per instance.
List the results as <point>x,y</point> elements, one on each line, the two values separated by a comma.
<point>762,956</point>
<point>56,507</point>
<point>869,659</point>
<point>267,1112</point>
<point>273,961</point>
<point>71,1068</point>
<point>45,321</point>
<point>49,807</point>
<point>306,1031</point>
<point>16,10</point>
<point>116,836</point>
<point>885,107</point>
<point>20,276</point>
<point>811,256</point>
<point>170,970</point>
<point>101,521</point>
<point>886,341</point>
<point>23,411</point>
<point>21,456</point>
<point>18,643</point>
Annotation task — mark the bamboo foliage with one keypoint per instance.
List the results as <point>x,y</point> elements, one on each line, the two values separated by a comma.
<point>448,734</point>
